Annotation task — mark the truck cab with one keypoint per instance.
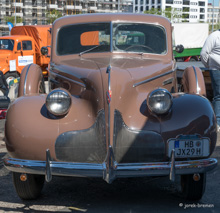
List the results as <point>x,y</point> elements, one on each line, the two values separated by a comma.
<point>15,53</point>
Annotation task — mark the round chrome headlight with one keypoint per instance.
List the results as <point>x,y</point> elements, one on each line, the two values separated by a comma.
<point>58,102</point>
<point>159,101</point>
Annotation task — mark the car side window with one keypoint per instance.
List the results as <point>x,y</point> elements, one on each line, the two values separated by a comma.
<point>19,46</point>
<point>27,45</point>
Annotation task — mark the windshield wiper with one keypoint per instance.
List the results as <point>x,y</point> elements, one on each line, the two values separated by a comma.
<point>86,51</point>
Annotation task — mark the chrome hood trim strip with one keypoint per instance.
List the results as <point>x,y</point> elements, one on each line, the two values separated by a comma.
<point>68,79</point>
<point>153,78</point>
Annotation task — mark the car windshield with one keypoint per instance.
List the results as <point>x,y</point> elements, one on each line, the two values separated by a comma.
<point>125,37</point>
<point>6,44</point>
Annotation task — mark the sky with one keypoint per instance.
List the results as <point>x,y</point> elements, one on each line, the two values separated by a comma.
<point>216,2</point>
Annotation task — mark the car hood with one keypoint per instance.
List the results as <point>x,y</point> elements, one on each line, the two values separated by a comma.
<point>110,81</point>
<point>5,53</point>
<point>137,69</point>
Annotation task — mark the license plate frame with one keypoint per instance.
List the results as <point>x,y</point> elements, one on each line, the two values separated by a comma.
<point>189,146</point>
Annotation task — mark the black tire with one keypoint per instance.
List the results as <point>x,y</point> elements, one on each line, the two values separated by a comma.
<point>193,190</point>
<point>10,76</point>
<point>29,189</point>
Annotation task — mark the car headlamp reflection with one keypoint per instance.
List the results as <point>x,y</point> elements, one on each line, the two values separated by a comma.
<point>159,101</point>
<point>58,102</point>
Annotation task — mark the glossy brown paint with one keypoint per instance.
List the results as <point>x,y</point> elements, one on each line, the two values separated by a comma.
<point>41,130</point>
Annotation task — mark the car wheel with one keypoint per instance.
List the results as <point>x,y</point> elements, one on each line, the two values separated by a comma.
<point>191,189</point>
<point>10,76</point>
<point>29,189</point>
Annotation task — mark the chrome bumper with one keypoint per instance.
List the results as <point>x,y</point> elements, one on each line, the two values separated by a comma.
<point>110,169</point>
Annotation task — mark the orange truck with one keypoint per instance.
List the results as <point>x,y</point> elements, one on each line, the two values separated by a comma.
<point>23,47</point>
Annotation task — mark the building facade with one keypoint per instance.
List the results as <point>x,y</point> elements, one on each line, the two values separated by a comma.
<point>185,10</point>
<point>34,11</point>
<point>213,16</point>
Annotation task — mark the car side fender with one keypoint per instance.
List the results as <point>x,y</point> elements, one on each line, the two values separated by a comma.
<point>31,80</point>
<point>193,81</point>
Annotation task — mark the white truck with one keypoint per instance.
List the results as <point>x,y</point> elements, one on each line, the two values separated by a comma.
<point>192,36</point>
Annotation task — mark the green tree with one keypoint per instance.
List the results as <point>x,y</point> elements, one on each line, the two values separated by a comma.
<point>172,14</point>
<point>153,11</point>
<point>12,19</point>
<point>51,17</point>
<point>216,26</point>
<point>169,13</point>
<point>185,15</point>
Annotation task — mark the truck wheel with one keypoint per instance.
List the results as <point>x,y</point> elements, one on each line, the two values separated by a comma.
<point>10,76</point>
<point>29,189</point>
<point>191,189</point>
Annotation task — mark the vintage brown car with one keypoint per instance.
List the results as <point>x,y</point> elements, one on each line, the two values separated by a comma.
<point>114,109</point>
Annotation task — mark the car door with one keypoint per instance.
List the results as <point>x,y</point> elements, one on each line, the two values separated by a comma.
<point>27,55</point>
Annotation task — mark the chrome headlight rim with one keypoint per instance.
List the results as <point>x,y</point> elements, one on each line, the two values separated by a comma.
<point>62,96</point>
<point>152,93</point>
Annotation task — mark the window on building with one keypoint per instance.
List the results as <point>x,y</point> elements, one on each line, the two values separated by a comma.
<point>169,1</point>
<point>202,10</point>
<point>185,15</point>
<point>201,3</point>
<point>202,16</point>
<point>186,2</point>
<point>186,9</point>
<point>193,10</point>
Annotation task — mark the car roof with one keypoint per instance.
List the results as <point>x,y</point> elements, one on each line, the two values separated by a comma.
<point>108,17</point>
<point>16,37</point>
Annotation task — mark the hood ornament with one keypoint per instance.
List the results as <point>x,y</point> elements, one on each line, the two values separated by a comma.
<point>109,96</point>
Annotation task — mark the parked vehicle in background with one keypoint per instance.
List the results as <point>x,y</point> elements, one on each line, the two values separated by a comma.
<point>114,108</point>
<point>23,47</point>
<point>192,36</point>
